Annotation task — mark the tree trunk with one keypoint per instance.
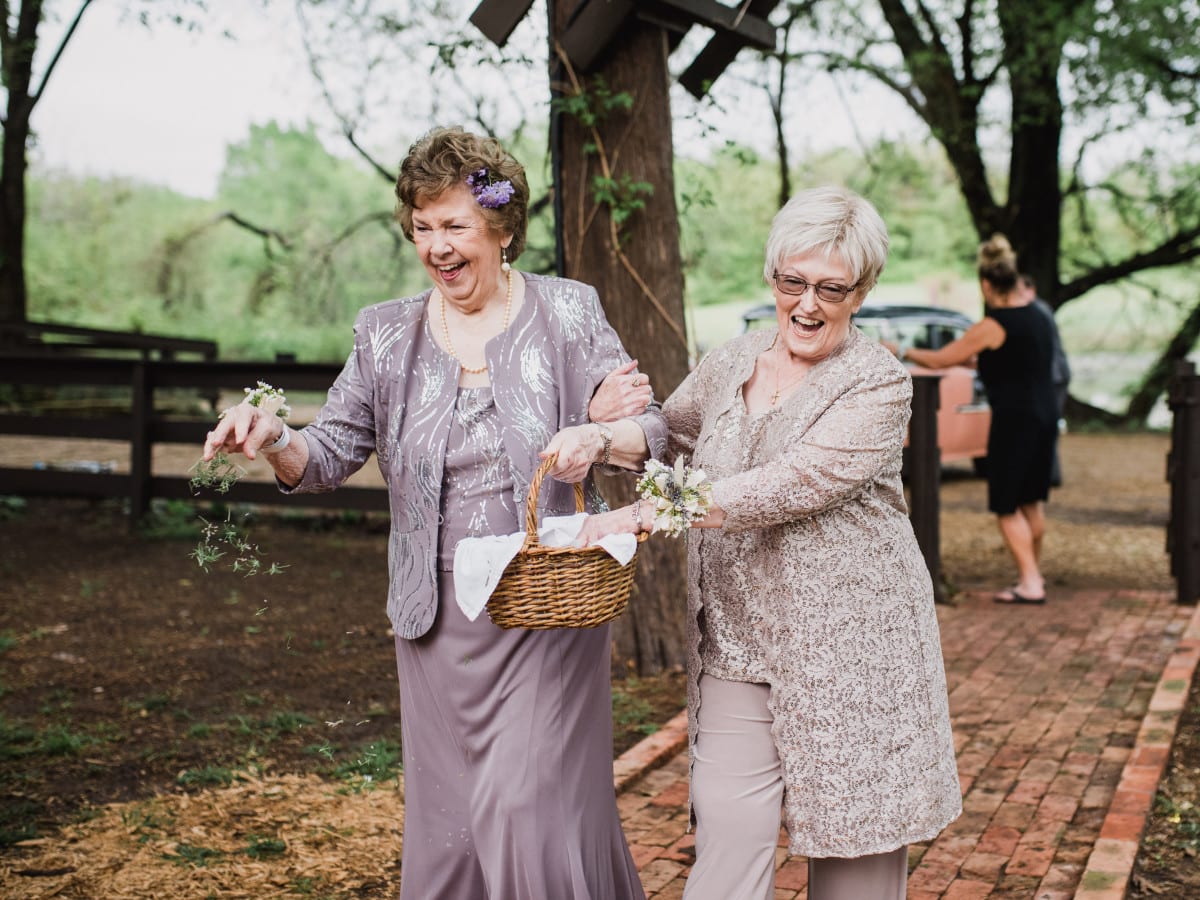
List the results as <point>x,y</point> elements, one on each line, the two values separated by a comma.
<point>1033,54</point>
<point>1154,383</point>
<point>633,144</point>
<point>13,302</point>
<point>17,58</point>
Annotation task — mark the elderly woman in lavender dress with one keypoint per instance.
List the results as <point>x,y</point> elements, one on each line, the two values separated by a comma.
<point>815,672</point>
<point>461,392</point>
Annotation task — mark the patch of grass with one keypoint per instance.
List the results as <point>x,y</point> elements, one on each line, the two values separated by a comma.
<point>191,855</point>
<point>199,730</point>
<point>311,887</point>
<point>17,821</point>
<point>8,640</point>
<point>12,507</point>
<point>376,761</point>
<point>1184,818</point>
<point>88,587</point>
<point>209,776</point>
<point>260,847</point>
<point>170,520</point>
<point>16,740</point>
<point>153,703</point>
<point>286,722</point>
<point>145,825</point>
<point>59,741</point>
<point>631,711</point>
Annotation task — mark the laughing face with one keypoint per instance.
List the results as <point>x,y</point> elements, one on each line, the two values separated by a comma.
<point>458,249</point>
<point>810,328</point>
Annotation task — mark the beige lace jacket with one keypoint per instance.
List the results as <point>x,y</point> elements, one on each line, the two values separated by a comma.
<point>818,563</point>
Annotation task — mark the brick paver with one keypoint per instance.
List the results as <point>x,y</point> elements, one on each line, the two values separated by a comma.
<point>1063,715</point>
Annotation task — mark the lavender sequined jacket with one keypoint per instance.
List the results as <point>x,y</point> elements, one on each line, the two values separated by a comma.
<point>396,395</point>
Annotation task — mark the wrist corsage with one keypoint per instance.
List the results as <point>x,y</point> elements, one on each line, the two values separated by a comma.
<point>268,399</point>
<point>680,495</point>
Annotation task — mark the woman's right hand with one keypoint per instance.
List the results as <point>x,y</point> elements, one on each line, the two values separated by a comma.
<point>243,429</point>
<point>616,521</point>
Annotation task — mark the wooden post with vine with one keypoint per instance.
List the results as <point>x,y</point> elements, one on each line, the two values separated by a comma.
<point>619,232</point>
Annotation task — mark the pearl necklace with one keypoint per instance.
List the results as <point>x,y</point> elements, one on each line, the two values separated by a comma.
<point>446,327</point>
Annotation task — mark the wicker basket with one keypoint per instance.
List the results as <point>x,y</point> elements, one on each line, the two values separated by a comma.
<point>559,587</point>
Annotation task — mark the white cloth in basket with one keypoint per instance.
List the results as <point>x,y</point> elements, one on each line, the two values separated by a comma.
<point>479,562</point>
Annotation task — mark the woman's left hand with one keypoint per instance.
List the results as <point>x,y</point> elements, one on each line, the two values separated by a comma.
<point>578,447</point>
<point>624,392</point>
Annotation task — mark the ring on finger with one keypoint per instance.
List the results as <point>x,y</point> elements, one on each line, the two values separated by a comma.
<point>636,381</point>
<point>223,413</point>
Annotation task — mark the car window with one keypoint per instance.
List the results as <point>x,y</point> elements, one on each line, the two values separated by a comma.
<point>941,335</point>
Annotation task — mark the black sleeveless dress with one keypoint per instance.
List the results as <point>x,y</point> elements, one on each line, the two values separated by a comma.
<point>1020,390</point>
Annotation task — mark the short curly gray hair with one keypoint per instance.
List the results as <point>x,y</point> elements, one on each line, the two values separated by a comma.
<point>832,221</point>
<point>443,158</point>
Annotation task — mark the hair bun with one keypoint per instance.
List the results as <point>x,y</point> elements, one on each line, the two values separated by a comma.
<point>996,261</point>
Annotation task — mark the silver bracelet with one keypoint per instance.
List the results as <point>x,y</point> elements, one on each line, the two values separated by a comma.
<point>280,444</point>
<point>637,516</point>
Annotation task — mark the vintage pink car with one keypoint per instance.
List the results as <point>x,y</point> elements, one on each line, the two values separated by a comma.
<point>963,414</point>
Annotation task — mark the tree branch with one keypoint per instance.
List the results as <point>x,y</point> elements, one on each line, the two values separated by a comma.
<point>379,168</point>
<point>58,52</point>
<point>1180,248</point>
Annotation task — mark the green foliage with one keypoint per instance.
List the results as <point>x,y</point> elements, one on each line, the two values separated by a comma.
<point>259,847</point>
<point>373,762</point>
<point>191,855</point>
<point>207,776</point>
<point>116,254</point>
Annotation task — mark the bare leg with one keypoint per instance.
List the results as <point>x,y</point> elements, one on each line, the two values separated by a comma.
<point>1035,514</point>
<point>1018,533</point>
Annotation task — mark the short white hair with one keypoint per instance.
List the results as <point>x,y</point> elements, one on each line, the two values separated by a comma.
<point>832,221</point>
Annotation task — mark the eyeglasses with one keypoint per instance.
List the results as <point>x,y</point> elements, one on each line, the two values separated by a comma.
<point>827,291</point>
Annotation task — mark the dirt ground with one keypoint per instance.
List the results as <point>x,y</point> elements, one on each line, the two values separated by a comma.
<point>128,675</point>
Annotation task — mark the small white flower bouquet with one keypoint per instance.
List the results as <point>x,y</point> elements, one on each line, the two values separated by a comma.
<point>269,399</point>
<point>680,495</point>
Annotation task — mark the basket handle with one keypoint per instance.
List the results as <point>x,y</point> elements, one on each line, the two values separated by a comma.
<point>535,488</point>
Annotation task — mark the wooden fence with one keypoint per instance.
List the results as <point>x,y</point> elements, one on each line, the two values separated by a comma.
<point>52,339</point>
<point>142,422</point>
<point>1183,472</point>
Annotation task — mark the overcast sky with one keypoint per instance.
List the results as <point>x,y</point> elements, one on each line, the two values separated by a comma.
<point>161,105</point>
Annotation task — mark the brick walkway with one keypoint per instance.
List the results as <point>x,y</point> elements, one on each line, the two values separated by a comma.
<point>1048,706</point>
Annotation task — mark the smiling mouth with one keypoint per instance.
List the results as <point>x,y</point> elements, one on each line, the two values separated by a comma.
<point>448,272</point>
<point>805,325</point>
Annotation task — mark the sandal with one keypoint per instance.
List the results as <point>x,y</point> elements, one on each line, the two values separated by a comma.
<point>1012,595</point>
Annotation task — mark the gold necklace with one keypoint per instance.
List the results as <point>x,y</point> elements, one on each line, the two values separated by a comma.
<point>446,327</point>
<point>779,390</point>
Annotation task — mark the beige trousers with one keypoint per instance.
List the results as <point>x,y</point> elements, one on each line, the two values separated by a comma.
<point>737,794</point>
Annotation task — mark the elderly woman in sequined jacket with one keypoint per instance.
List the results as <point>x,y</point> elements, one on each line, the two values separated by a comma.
<point>461,392</point>
<point>815,671</point>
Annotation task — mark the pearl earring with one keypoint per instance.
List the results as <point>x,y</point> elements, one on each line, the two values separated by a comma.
<point>504,266</point>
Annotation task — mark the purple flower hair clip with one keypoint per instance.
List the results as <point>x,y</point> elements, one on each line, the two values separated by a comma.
<point>490,194</point>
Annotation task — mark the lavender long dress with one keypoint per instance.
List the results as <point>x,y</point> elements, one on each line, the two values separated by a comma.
<point>507,733</point>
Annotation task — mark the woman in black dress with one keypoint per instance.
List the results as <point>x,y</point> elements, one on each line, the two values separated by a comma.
<point>1015,346</point>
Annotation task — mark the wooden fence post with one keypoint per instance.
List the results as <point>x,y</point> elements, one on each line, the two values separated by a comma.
<point>1183,472</point>
<point>925,476</point>
<point>140,443</point>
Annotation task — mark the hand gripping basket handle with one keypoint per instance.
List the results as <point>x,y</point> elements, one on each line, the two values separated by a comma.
<point>535,488</point>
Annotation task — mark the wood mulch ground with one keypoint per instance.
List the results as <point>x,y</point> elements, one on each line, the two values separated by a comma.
<point>164,732</point>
